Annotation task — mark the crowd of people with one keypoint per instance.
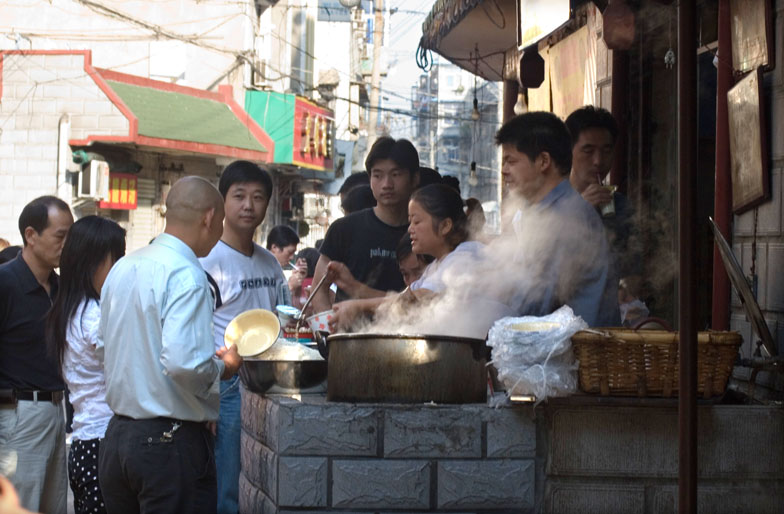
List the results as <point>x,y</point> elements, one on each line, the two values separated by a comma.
<point>137,340</point>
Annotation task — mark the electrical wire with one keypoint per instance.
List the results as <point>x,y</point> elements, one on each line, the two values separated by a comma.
<point>502,25</point>
<point>424,58</point>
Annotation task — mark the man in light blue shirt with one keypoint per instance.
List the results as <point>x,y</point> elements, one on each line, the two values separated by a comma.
<point>162,371</point>
<point>562,247</point>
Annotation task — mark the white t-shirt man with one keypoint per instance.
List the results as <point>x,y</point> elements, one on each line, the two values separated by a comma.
<point>244,283</point>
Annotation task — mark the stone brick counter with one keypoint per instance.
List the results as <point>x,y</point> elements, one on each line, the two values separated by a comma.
<point>574,455</point>
<point>317,455</point>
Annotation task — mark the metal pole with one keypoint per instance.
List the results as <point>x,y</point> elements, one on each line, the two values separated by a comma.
<point>510,92</point>
<point>687,191</point>
<point>722,202</point>
<point>375,74</point>
<point>620,95</point>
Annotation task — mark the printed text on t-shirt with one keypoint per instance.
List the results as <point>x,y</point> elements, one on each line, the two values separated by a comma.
<point>382,252</point>
<point>256,283</point>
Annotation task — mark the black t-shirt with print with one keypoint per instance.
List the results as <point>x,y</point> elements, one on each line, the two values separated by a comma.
<point>366,245</point>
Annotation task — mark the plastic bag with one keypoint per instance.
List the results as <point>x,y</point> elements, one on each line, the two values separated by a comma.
<point>533,355</point>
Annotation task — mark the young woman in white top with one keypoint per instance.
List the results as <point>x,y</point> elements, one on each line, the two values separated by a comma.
<point>92,247</point>
<point>438,228</point>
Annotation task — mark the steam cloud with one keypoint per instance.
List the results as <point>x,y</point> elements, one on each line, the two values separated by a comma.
<point>513,276</point>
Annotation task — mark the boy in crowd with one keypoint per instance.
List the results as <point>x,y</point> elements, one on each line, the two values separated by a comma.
<point>247,277</point>
<point>594,132</point>
<point>282,242</point>
<point>359,249</point>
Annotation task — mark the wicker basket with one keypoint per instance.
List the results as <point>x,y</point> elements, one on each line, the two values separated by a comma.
<point>644,363</point>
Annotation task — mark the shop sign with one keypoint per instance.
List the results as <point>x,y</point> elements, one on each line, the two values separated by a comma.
<point>313,136</point>
<point>536,19</point>
<point>122,192</point>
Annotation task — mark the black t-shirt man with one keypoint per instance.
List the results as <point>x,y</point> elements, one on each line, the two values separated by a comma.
<point>366,245</point>
<point>24,363</point>
<point>358,252</point>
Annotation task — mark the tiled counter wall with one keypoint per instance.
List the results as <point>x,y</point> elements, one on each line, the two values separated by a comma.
<point>579,455</point>
<point>319,456</point>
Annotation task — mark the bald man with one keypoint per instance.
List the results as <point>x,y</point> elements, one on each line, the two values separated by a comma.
<point>162,372</point>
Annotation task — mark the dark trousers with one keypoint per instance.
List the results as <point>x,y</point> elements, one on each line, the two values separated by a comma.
<point>142,470</point>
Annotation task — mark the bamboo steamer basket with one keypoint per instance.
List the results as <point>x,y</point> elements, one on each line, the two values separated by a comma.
<point>644,363</point>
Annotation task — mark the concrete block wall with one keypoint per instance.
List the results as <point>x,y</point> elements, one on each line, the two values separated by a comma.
<point>625,459</point>
<point>318,456</point>
<point>770,215</point>
<point>37,91</point>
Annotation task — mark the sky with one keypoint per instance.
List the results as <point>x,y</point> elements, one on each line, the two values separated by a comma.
<point>405,27</point>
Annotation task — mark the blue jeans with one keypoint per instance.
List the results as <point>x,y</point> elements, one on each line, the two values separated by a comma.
<point>227,446</point>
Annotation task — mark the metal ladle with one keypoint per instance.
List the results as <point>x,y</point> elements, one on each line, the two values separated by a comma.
<point>307,302</point>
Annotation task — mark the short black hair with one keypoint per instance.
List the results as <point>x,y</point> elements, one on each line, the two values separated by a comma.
<point>311,256</point>
<point>239,172</point>
<point>358,198</point>
<point>589,117</point>
<point>352,181</point>
<point>282,236</point>
<point>451,181</point>
<point>403,248</point>
<point>36,214</point>
<point>428,176</point>
<point>535,132</point>
<point>9,253</point>
<point>400,151</point>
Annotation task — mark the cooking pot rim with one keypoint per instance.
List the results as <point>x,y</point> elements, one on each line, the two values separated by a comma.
<point>428,337</point>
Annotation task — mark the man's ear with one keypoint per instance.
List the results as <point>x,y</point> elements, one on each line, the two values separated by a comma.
<point>415,179</point>
<point>206,219</point>
<point>544,160</point>
<point>29,232</point>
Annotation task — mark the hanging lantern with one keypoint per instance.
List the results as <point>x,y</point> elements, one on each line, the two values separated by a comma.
<point>618,25</point>
<point>473,178</point>
<point>531,68</point>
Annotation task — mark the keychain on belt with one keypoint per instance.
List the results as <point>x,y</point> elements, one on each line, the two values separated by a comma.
<point>169,434</point>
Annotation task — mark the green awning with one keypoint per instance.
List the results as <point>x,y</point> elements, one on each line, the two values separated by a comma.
<point>183,117</point>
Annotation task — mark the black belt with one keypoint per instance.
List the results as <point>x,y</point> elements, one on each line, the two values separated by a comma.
<point>32,395</point>
<point>162,419</point>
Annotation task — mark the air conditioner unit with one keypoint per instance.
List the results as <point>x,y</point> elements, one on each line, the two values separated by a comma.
<point>94,181</point>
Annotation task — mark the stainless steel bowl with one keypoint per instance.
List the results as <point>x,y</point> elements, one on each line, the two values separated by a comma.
<point>261,376</point>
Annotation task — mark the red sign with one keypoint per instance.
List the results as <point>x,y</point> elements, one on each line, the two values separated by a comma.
<point>313,136</point>
<point>122,192</point>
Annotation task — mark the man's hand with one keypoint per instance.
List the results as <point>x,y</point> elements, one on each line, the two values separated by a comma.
<point>597,195</point>
<point>340,275</point>
<point>9,500</point>
<point>296,278</point>
<point>345,314</point>
<point>231,360</point>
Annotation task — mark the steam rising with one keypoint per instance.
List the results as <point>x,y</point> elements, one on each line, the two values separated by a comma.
<point>513,276</point>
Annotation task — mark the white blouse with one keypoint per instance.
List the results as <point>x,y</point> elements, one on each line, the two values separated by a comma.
<point>83,372</point>
<point>460,261</point>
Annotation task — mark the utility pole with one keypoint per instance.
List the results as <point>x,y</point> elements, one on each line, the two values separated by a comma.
<point>375,77</point>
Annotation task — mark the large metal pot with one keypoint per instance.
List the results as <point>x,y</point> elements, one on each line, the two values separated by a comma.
<point>406,368</point>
